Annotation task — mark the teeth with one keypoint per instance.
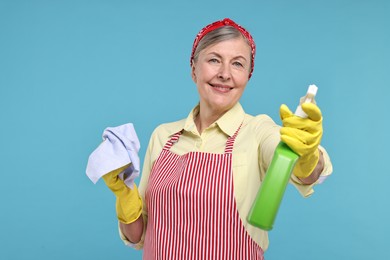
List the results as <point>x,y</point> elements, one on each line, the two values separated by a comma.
<point>221,87</point>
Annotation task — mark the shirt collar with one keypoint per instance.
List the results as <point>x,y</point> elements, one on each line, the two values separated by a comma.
<point>228,123</point>
<point>231,120</point>
<point>189,124</point>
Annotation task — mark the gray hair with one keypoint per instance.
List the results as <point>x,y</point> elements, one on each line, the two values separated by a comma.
<point>218,35</point>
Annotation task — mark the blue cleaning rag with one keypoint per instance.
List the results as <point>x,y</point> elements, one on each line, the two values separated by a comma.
<point>120,146</point>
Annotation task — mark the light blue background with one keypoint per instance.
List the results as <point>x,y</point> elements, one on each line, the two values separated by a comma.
<point>68,69</point>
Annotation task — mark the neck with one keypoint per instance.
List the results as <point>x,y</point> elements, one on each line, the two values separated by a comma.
<point>206,117</point>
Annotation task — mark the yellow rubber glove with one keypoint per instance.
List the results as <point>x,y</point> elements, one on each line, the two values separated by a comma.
<point>128,201</point>
<point>303,136</point>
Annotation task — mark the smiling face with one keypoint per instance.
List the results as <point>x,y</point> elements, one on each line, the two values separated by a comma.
<point>220,73</point>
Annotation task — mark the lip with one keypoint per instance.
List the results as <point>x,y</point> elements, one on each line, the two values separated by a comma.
<point>221,88</point>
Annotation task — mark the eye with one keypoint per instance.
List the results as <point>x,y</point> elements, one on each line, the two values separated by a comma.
<point>213,60</point>
<point>238,64</point>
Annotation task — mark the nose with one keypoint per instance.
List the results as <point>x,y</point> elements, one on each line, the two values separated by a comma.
<point>224,72</point>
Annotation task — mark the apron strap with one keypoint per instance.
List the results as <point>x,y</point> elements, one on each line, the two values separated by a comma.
<point>230,141</point>
<point>228,147</point>
<point>173,140</point>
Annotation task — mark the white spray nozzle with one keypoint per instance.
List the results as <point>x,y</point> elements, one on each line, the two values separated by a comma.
<point>312,90</point>
<point>310,94</point>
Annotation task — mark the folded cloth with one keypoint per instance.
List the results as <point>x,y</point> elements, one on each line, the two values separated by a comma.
<point>120,147</point>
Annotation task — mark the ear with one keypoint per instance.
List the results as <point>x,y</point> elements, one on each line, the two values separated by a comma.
<point>193,74</point>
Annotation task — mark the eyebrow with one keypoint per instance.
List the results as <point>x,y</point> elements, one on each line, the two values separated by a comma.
<point>217,54</point>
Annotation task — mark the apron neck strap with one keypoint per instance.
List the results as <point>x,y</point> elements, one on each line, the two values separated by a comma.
<point>230,141</point>
<point>172,141</point>
<point>228,146</point>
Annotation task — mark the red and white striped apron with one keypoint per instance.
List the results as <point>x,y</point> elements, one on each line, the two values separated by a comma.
<point>192,212</point>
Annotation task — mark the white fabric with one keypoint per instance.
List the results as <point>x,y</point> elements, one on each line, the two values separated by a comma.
<point>120,146</point>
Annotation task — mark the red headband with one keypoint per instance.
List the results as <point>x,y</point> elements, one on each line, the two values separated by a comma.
<point>221,23</point>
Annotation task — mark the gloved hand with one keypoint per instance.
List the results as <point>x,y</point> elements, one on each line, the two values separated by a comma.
<point>128,201</point>
<point>303,136</point>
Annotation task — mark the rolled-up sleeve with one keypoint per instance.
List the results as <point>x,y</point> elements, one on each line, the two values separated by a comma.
<point>307,190</point>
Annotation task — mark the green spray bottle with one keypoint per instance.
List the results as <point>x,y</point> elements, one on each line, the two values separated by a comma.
<point>271,191</point>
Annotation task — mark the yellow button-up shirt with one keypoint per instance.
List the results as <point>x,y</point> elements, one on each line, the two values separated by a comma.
<point>252,153</point>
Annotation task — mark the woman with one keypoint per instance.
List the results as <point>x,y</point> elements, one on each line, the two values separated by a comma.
<point>201,174</point>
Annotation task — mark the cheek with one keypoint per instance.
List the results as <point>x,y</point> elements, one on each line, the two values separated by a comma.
<point>206,71</point>
<point>244,83</point>
<point>198,74</point>
<point>242,80</point>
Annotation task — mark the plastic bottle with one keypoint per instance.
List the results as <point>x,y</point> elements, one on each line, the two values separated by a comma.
<point>270,194</point>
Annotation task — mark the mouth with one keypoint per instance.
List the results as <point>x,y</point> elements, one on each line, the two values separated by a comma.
<point>221,88</point>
